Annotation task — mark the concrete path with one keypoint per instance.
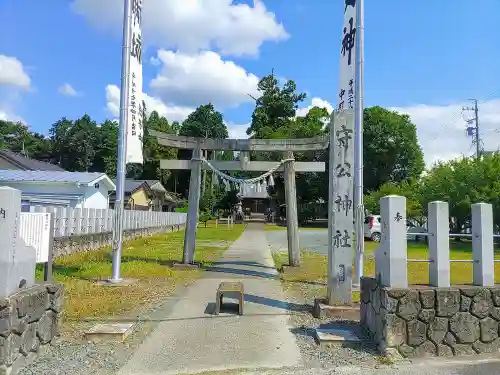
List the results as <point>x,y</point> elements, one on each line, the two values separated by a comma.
<point>190,339</point>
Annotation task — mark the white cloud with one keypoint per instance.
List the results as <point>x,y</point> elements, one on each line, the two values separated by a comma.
<point>7,115</point>
<point>315,102</point>
<point>237,131</point>
<point>68,90</point>
<point>441,130</point>
<point>12,73</point>
<point>191,80</point>
<point>191,25</point>
<point>172,113</point>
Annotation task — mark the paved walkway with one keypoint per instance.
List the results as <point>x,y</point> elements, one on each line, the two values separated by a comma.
<point>190,339</point>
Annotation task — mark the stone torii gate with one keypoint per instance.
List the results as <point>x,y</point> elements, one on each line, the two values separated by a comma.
<point>289,167</point>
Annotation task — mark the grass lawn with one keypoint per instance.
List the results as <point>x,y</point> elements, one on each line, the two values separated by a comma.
<point>146,259</point>
<point>311,277</point>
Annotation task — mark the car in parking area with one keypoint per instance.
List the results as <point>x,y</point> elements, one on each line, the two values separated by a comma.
<point>373,229</point>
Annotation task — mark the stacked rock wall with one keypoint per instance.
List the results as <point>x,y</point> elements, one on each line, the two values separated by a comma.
<point>29,320</point>
<point>427,321</point>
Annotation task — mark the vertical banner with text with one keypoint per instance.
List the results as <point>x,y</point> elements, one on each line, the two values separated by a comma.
<point>135,108</point>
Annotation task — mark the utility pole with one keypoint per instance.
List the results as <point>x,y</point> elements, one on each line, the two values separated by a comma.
<point>474,130</point>
<point>358,146</point>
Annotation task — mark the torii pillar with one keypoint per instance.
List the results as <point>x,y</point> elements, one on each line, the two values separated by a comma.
<point>292,222</point>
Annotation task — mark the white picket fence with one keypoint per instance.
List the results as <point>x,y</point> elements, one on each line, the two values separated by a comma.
<point>81,221</point>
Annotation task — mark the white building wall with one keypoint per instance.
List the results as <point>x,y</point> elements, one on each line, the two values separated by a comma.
<point>96,197</point>
<point>61,194</point>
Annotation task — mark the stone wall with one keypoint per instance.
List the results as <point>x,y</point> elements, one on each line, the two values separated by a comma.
<point>427,321</point>
<point>29,320</point>
<point>88,242</point>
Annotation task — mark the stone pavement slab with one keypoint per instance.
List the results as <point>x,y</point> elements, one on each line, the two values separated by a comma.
<point>189,339</point>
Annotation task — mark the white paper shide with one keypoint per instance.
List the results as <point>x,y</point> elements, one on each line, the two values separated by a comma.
<point>134,105</point>
<point>348,58</point>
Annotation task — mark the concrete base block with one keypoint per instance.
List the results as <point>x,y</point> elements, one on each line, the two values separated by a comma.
<point>336,336</point>
<point>186,266</point>
<point>120,282</point>
<point>322,310</point>
<point>109,332</point>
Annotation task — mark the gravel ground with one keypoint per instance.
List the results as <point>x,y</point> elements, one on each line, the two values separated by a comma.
<point>70,355</point>
<point>304,323</point>
<point>330,356</point>
<point>312,240</point>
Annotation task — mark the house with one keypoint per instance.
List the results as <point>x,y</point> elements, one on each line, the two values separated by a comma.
<point>147,195</point>
<point>137,196</point>
<point>60,188</point>
<point>162,199</point>
<point>14,160</point>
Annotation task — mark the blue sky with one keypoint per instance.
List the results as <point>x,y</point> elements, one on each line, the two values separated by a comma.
<point>420,56</point>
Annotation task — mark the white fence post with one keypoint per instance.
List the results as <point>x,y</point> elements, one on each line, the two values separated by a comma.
<point>391,257</point>
<point>439,244</point>
<point>482,244</point>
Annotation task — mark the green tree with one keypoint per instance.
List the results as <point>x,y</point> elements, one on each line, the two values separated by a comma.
<point>106,148</point>
<point>275,108</point>
<point>204,122</point>
<point>16,137</point>
<point>74,143</point>
<point>462,182</point>
<point>409,189</point>
<point>154,152</point>
<point>391,149</point>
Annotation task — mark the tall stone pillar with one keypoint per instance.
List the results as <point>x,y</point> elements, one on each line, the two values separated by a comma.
<point>292,222</point>
<point>193,208</point>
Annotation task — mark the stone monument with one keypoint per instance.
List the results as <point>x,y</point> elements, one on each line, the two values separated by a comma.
<point>29,311</point>
<point>17,261</point>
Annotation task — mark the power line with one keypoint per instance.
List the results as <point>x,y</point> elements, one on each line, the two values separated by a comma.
<point>473,126</point>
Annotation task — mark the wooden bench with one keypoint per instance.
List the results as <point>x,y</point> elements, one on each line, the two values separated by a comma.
<point>229,287</point>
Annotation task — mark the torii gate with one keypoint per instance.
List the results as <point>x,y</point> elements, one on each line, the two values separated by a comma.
<point>289,167</point>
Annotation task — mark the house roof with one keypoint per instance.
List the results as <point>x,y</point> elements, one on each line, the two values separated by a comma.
<point>133,185</point>
<point>78,178</point>
<point>24,163</point>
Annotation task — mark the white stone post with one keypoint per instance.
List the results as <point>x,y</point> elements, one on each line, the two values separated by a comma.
<point>439,244</point>
<point>482,244</point>
<point>17,261</point>
<point>392,257</point>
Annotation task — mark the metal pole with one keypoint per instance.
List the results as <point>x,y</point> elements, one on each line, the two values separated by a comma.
<point>122,145</point>
<point>478,138</point>
<point>358,147</point>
